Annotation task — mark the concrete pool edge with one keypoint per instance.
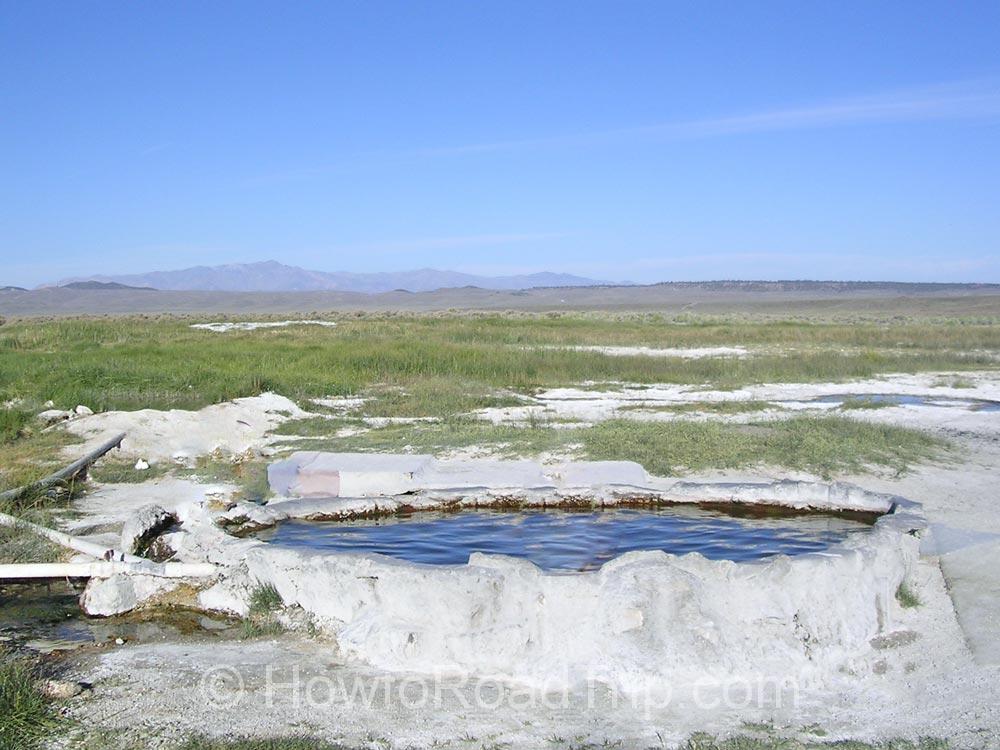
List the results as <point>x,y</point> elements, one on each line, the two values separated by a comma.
<point>644,619</point>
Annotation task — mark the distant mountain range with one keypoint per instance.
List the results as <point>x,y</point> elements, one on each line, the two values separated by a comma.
<point>271,276</point>
<point>102,285</point>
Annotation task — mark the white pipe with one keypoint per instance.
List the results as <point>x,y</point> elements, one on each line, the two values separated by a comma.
<point>72,542</point>
<point>106,569</point>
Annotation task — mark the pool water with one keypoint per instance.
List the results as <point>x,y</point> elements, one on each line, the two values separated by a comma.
<point>570,539</point>
<point>46,617</point>
<point>900,399</point>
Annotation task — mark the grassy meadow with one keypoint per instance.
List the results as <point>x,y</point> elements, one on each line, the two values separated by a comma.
<point>449,364</point>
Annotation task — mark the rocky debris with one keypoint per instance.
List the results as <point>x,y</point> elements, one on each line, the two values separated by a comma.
<point>894,640</point>
<point>144,526</point>
<point>46,646</point>
<point>123,592</point>
<point>60,689</point>
<point>54,416</point>
<point>207,623</point>
<point>296,619</point>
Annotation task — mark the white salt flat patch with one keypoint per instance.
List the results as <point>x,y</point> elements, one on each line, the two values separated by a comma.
<point>253,326</point>
<point>589,404</point>
<point>181,436</point>
<point>114,503</point>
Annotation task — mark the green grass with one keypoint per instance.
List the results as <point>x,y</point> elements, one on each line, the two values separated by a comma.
<point>954,383</point>
<point>707,407</point>
<point>759,726</point>
<point>432,396</point>
<point>25,716</point>
<point>17,546</point>
<point>416,365</point>
<point>446,435</point>
<point>742,742</point>
<point>249,476</point>
<point>108,740</point>
<point>907,597</point>
<point>849,404</point>
<point>34,455</point>
<point>110,470</point>
<point>280,743</point>
<point>822,445</point>
<point>260,621</point>
<point>315,426</point>
<point>696,742</point>
<point>264,599</point>
<point>260,627</point>
<point>14,423</point>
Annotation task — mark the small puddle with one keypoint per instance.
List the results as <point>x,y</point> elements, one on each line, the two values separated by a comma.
<point>875,400</point>
<point>46,617</point>
<point>571,539</point>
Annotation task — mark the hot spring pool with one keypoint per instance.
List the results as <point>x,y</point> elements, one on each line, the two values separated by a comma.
<point>557,539</point>
<point>901,399</point>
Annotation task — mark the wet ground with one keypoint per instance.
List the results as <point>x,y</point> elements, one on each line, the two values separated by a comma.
<point>46,618</point>
<point>875,400</point>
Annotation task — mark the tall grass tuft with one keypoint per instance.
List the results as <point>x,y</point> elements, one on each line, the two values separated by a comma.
<point>25,716</point>
<point>13,424</point>
<point>261,621</point>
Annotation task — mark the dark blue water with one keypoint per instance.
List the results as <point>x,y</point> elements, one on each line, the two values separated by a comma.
<point>568,539</point>
<point>899,399</point>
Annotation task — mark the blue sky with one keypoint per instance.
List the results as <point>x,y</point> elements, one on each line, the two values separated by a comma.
<point>622,140</point>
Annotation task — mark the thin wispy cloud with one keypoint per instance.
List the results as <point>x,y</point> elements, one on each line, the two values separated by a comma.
<point>464,241</point>
<point>965,100</point>
<point>954,101</point>
<point>154,149</point>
